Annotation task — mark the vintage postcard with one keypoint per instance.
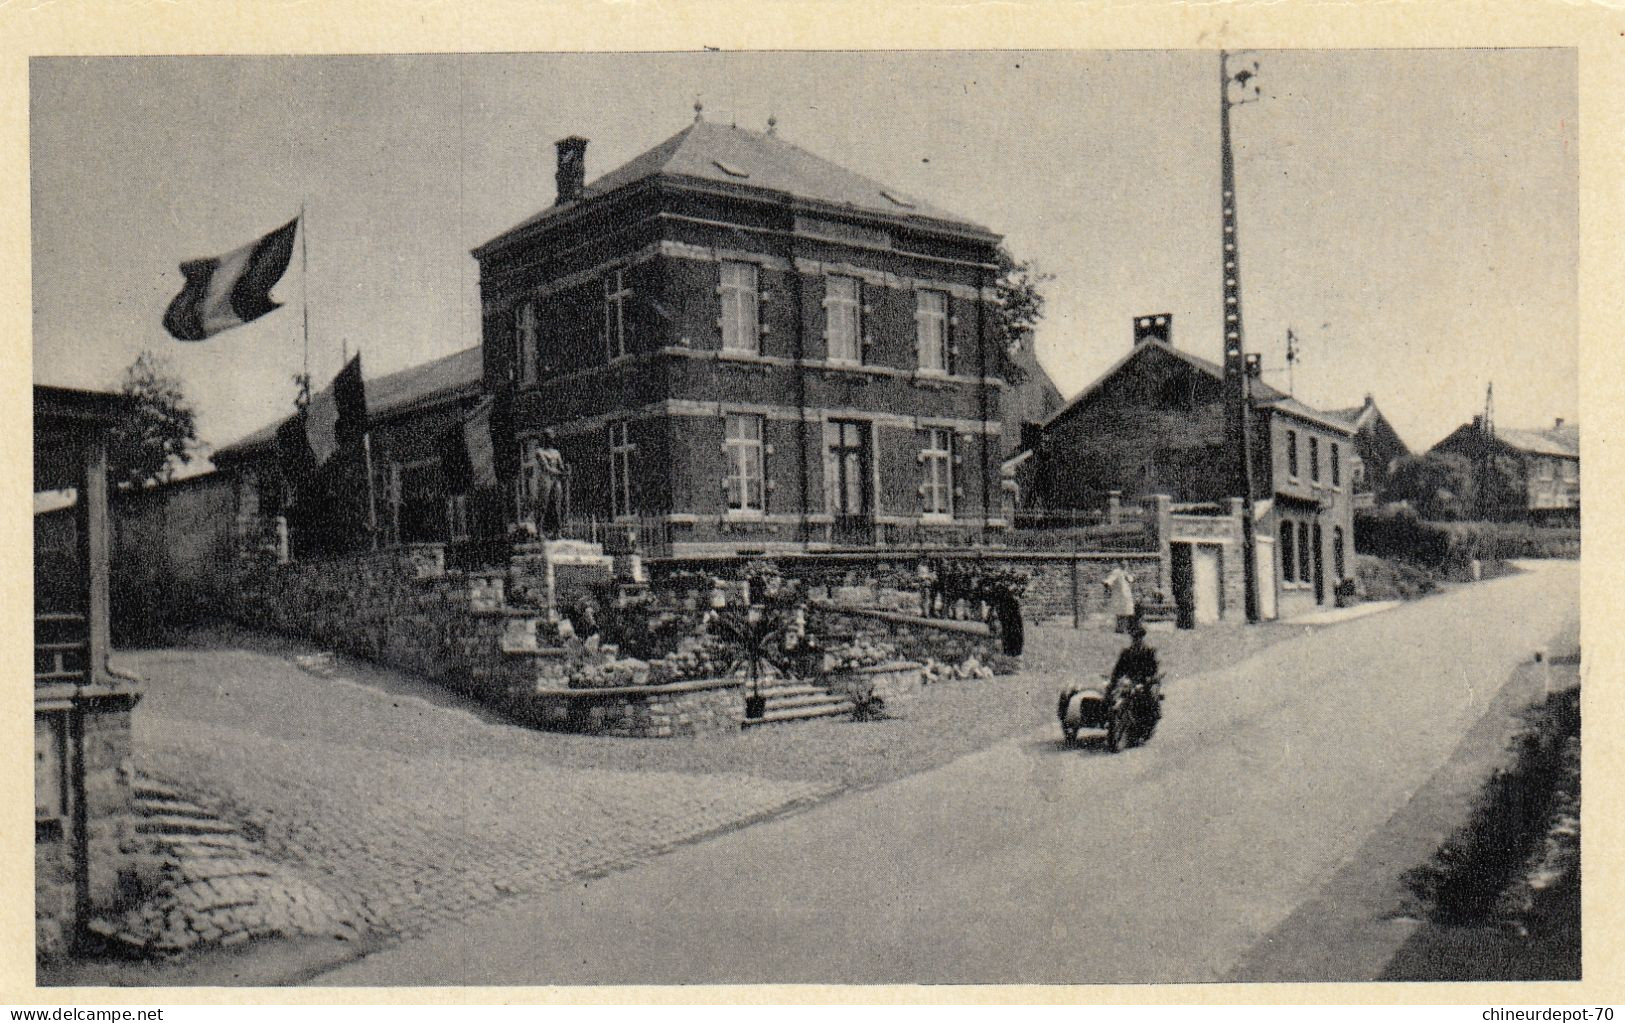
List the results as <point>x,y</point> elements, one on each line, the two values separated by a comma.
<point>1069,498</point>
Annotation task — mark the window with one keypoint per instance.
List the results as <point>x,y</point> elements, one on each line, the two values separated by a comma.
<point>1304,551</point>
<point>741,324</point>
<point>1314,459</point>
<point>1292,453</point>
<point>1545,468</point>
<point>937,462</point>
<point>1337,552</point>
<point>1289,560</point>
<point>620,469</point>
<point>615,296</point>
<point>931,325</point>
<point>525,341</point>
<point>743,446</point>
<point>1571,470</point>
<point>1337,473</point>
<point>843,319</point>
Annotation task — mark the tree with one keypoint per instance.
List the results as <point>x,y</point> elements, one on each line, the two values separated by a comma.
<point>1439,485</point>
<point>161,435</point>
<point>1020,306</point>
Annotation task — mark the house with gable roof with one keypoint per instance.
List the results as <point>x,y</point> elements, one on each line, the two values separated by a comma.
<point>1153,423</point>
<point>1548,465</point>
<point>747,346</point>
<point>1377,444</point>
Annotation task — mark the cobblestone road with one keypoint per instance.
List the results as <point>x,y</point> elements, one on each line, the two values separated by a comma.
<point>387,797</point>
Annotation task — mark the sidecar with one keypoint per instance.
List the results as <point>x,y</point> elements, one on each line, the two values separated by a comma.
<point>1082,706</point>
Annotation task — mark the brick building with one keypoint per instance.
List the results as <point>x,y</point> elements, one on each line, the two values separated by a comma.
<point>1154,424</point>
<point>1377,444</point>
<point>746,346</point>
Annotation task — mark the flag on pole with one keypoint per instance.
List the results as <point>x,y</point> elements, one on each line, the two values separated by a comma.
<point>230,290</point>
<point>337,415</point>
<point>478,442</point>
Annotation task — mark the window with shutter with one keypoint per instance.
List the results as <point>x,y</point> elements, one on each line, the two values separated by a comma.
<point>931,326</point>
<point>936,462</point>
<point>741,313</point>
<point>843,318</point>
<point>525,341</point>
<point>615,295</point>
<point>745,478</point>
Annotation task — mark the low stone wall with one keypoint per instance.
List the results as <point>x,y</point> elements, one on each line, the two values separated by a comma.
<point>639,712</point>
<point>915,639</point>
<point>1063,586</point>
<point>897,683</point>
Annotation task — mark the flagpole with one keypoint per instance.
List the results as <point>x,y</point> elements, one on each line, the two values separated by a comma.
<point>304,293</point>
<point>372,504</point>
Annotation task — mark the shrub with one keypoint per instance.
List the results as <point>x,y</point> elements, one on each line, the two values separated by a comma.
<point>1382,579</point>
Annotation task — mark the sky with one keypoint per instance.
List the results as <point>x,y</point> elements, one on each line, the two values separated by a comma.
<point>1411,214</point>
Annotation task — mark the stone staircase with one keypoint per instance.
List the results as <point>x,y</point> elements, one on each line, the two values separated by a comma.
<point>169,824</point>
<point>799,701</point>
<point>204,882</point>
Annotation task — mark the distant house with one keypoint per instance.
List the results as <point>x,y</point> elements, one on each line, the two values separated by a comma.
<point>1154,424</point>
<point>1548,462</point>
<point>1377,444</point>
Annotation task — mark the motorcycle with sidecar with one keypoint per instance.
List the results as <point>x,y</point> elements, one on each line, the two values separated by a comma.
<point>1128,711</point>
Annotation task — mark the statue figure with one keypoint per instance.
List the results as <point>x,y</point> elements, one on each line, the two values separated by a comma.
<point>549,508</point>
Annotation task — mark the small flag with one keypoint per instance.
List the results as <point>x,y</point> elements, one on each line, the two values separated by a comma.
<point>231,290</point>
<point>479,445</point>
<point>337,416</point>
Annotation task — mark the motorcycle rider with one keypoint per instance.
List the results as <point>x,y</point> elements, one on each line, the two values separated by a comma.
<point>1137,662</point>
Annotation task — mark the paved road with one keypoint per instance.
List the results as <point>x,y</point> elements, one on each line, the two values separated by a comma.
<point>410,805</point>
<point>1030,863</point>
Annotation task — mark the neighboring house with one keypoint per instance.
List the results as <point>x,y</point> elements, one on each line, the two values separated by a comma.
<point>747,346</point>
<point>82,769</point>
<point>1548,464</point>
<point>1377,444</point>
<point>410,414</point>
<point>1154,424</point>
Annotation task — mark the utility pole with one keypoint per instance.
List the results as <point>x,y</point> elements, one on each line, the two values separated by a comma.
<point>1237,375</point>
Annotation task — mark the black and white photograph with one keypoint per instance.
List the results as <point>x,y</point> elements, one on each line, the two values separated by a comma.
<point>806,516</point>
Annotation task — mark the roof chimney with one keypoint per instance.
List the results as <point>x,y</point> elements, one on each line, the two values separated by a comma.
<point>572,172</point>
<point>1154,327</point>
<point>1478,422</point>
<point>1559,425</point>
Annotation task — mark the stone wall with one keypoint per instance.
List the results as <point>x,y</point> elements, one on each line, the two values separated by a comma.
<point>640,712</point>
<point>914,638</point>
<point>898,683</point>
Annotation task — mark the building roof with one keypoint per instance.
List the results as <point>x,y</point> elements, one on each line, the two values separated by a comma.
<point>393,394</point>
<point>1563,441</point>
<point>1263,394</point>
<point>724,154</point>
